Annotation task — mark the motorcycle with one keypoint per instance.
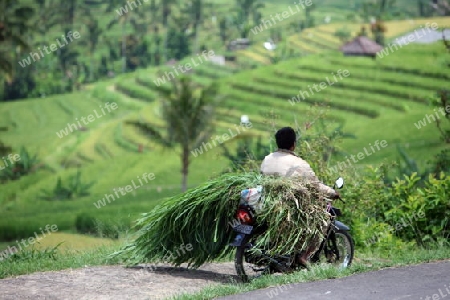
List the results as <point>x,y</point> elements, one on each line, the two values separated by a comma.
<point>336,248</point>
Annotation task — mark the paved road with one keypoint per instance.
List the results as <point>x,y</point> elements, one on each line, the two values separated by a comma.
<point>430,281</point>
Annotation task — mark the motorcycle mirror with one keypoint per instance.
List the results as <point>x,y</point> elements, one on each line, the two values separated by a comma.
<point>339,182</point>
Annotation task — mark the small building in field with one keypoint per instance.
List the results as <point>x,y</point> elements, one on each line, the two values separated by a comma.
<point>361,46</point>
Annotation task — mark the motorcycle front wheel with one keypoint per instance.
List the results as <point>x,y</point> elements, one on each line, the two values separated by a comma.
<point>338,250</point>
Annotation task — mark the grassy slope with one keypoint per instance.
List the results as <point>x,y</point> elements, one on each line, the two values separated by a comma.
<point>321,38</point>
<point>107,152</point>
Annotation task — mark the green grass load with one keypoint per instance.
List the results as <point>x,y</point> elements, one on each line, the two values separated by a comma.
<point>201,218</point>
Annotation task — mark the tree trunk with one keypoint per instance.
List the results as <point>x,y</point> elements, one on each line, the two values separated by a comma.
<point>185,167</point>
<point>420,8</point>
<point>196,38</point>
<point>124,48</point>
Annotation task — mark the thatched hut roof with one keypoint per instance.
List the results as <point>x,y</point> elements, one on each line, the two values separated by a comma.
<point>361,45</point>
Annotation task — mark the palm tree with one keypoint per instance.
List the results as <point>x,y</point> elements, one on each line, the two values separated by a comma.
<point>4,149</point>
<point>94,33</point>
<point>195,9</point>
<point>166,10</point>
<point>376,8</point>
<point>14,19</point>
<point>188,113</point>
<point>133,16</point>
<point>246,8</point>
<point>47,16</point>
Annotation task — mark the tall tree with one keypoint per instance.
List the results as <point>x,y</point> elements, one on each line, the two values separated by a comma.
<point>94,33</point>
<point>166,10</point>
<point>46,17</point>
<point>4,149</point>
<point>14,26</point>
<point>379,9</point>
<point>245,9</point>
<point>188,113</point>
<point>195,9</point>
<point>177,41</point>
<point>135,16</point>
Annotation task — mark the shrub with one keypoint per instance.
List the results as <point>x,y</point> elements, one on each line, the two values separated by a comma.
<point>344,34</point>
<point>423,212</point>
<point>15,169</point>
<point>110,229</point>
<point>85,224</point>
<point>35,254</point>
<point>74,189</point>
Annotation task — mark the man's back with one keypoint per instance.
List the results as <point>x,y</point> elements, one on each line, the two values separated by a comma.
<point>285,163</point>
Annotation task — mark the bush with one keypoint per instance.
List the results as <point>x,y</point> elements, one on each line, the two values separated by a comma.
<point>344,34</point>
<point>35,254</point>
<point>23,166</point>
<point>85,224</point>
<point>111,230</point>
<point>424,212</point>
<point>74,189</point>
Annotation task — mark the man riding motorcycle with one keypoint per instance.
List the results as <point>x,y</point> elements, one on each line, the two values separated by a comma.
<point>284,162</point>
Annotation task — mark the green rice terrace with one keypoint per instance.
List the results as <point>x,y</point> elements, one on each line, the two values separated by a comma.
<point>387,95</point>
<point>75,119</point>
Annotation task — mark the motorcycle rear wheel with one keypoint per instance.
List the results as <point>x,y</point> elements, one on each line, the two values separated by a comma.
<point>247,269</point>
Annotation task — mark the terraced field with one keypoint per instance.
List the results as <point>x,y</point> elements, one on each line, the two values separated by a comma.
<point>380,100</point>
<point>321,38</point>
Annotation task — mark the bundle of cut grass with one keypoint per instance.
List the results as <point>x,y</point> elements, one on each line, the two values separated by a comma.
<point>200,220</point>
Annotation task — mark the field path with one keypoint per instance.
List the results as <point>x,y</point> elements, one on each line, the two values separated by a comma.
<point>115,282</point>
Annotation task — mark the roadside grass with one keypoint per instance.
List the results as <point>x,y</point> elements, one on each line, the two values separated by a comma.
<point>49,259</point>
<point>364,262</point>
<point>52,256</point>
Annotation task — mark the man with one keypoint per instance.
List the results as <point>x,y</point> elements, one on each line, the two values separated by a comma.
<point>284,162</point>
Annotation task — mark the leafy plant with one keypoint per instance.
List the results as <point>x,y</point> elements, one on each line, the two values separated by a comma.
<point>22,166</point>
<point>425,210</point>
<point>188,112</point>
<point>343,34</point>
<point>246,153</point>
<point>4,149</point>
<point>75,188</point>
<point>111,230</point>
<point>35,254</point>
<point>85,224</point>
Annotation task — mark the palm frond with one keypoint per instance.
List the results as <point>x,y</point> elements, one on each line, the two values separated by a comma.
<point>151,132</point>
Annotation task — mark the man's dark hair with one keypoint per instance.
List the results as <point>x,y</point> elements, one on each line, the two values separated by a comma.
<point>285,138</point>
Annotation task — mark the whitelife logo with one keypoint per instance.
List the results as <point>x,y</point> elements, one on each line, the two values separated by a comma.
<point>12,159</point>
<point>187,66</point>
<point>110,197</point>
<point>91,118</point>
<point>360,156</point>
<point>284,15</point>
<point>12,250</point>
<point>221,139</point>
<point>53,47</point>
<point>323,85</point>
<point>411,38</point>
<point>432,118</point>
<point>124,9</point>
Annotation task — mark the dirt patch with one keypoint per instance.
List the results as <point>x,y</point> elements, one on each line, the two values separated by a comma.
<point>116,282</point>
